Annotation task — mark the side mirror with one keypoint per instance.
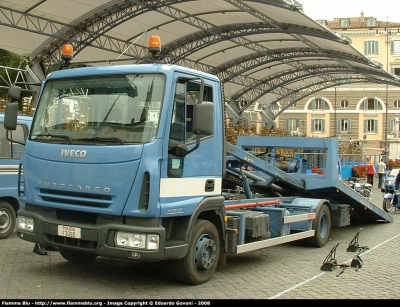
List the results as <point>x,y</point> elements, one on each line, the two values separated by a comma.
<point>14,93</point>
<point>10,116</point>
<point>203,117</point>
<point>11,111</point>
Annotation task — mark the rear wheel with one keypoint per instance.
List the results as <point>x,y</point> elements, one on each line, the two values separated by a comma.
<point>200,262</point>
<point>322,226</point>
<point>387,204</point>
<point>76,256</point>
<point>7,219</point>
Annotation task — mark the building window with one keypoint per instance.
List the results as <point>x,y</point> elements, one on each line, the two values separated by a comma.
<point>344,125</point>
<point>318,104</point>
<point>371,22</point>
<point>318,125</point>
<point>344,103</point>
<point>396,104</point>
<point>371,104</point>
<point>396,71</point>
<point>345,23</point>
<point>395,47</point>
<point>371,47</point>
<point>370,126</point>
<point>394,125</point>
<point>292,124</point>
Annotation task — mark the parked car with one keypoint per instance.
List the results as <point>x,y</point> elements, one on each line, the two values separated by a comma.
<point>388,181</point>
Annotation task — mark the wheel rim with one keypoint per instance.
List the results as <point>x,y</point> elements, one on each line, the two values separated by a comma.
<point>4,220</point>
<point>388,205</point>
<point>205,253</point>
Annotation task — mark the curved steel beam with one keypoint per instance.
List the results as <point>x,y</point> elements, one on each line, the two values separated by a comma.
<point>311,89</point>
<point>123,9</point>
<point>287,96</point>
<point>277,81</point>
<point>249,62</point>
<point>91,31</point>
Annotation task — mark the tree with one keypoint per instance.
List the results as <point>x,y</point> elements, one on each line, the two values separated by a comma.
<point>12,60</point>
<point>9,59</point>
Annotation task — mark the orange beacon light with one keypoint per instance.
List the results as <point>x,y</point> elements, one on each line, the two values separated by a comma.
<point>154,45</point>
<point>67,52</point>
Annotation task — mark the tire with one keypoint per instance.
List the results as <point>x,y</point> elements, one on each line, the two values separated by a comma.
<point>201,260</point>
<point>8,218</point>
<point>387,204</point>
<point>367,193</point>
<point>322,225</point>
<point>76,256</point>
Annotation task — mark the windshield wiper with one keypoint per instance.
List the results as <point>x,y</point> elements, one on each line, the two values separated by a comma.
<point>62,136</point>
<point>108,139</point>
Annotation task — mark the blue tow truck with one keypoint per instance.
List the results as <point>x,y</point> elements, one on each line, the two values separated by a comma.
<point>132,162</point>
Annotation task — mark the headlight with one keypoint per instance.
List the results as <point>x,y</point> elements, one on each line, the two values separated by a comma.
<point>25,223</point>
<point>153,242</point>
<point>137,240</point>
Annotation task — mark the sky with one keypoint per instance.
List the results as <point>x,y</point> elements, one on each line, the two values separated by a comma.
<point>329,9</point>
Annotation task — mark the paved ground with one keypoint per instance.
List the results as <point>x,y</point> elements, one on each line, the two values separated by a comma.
<point>287,271</point>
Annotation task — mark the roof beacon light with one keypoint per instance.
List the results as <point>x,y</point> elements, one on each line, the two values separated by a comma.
<point>67,52</point>
<point>154,45</point>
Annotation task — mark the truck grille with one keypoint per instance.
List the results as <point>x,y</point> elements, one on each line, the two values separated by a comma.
<point>68,242</point>
<point>76,216</point>
<point>76,198</point>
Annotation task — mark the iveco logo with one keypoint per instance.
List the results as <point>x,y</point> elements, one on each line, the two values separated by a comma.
<point>73,153</point>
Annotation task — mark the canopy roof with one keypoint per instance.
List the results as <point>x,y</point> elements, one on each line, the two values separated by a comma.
<point>267,51</point>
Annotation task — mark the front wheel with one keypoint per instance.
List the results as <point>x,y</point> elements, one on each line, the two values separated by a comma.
<point>200,262</point>
<point>7,219</point>
<point>322,226</point>
<point>387,204</point>
<point>76,256</point>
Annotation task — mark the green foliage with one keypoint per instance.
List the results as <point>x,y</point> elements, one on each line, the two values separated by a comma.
<point>9,59</point>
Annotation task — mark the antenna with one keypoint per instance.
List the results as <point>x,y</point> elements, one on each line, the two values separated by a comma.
<point>131,44</point>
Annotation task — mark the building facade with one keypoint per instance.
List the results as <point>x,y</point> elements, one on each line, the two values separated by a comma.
<point>365,113</point>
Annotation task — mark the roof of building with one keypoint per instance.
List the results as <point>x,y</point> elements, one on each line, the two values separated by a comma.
<point>358,22</point>
<point>267,51</point>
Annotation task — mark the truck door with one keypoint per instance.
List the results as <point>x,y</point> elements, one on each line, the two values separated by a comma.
<point>205,160</point>
<point>199,161</point>
<point>194,164</point>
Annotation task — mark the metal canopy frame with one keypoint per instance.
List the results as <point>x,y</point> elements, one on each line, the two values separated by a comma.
<point>268,51</point>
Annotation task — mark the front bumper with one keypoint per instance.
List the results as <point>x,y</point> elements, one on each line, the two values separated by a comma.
<point>98,238</point>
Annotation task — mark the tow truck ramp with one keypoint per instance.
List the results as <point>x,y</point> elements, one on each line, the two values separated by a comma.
<point>260,173</point>
<point>361,207</point>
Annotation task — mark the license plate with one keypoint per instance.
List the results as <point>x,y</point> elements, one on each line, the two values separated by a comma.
<point>69,231</point>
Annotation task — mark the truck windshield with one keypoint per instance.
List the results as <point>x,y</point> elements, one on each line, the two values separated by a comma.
<point>107,110</point>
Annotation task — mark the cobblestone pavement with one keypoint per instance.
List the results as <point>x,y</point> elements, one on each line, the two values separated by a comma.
<point>288,271</point>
